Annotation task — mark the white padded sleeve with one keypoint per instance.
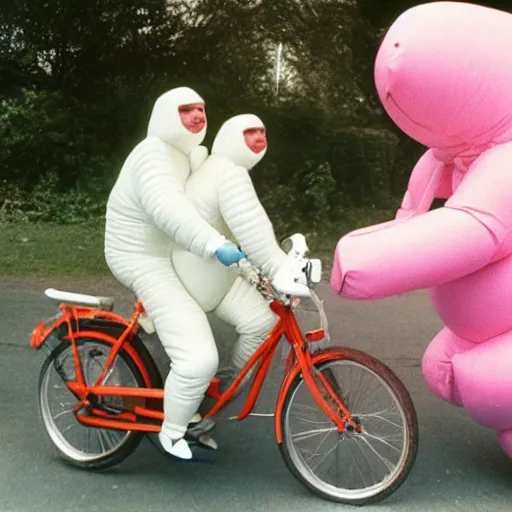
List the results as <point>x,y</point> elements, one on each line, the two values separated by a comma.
<point>197,157</point>
<point>248,221</point>
<point>162,196</point>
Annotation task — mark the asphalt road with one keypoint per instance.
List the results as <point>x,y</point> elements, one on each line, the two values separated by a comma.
<point>459,467</point>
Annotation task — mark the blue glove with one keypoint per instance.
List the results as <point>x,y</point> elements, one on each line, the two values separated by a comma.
<point>228,253</point>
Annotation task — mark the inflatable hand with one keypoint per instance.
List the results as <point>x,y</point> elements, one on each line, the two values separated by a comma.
<point>462,251</point>
<point>228,254</point>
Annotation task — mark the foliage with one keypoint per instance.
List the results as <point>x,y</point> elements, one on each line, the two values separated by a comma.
<point>42,134</point>
<point>51,250</point>
<point>78,79</point>
<point>46,202</point>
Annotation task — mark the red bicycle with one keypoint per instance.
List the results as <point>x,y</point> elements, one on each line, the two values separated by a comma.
<point>345,424</point>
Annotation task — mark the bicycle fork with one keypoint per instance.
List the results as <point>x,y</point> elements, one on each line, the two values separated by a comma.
<point>309,372</point>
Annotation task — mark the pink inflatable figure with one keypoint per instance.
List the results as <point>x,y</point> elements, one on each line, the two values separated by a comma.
<point>444,75</point>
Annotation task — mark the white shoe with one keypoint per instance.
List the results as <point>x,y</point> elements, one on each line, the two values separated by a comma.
<point>178,448</point>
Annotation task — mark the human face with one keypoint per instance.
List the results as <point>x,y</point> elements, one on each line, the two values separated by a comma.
<point>193,116</point>
<point>256,139</point>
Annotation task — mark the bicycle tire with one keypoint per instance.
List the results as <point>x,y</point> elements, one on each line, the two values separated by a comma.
<point>406,405</point>
<point>133,438</point>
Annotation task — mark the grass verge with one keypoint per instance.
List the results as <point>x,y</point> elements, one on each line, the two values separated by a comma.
<point>76,250</point>
<point>50,250</point>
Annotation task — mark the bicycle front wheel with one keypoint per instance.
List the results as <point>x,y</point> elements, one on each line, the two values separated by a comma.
<point>350,467</point>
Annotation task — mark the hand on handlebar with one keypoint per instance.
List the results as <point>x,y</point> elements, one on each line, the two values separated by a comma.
<point>228,254</point>
<point>295,278</point>
<point>288,282</point>
<point>248,271</point>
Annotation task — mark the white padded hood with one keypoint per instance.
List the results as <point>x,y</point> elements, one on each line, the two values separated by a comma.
<point>230,142</point>
<point>165,122</point>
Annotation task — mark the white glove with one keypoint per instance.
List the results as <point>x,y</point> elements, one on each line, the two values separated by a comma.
<point>290,280</point>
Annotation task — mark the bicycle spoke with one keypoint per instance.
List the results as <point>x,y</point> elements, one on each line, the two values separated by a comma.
<point>107,376</point>
<point>76,441</point>
<point>354,403</point>
<point>379,416</point>
<point>60,414</point>
<point>113,436</point>
<point>321,443</point>
<point>324,455</point>
<point>69,427</point>
<point>309,408</point>
<point>88,442</point>
<point>358,468</point>
<point>368,391</point>
<point>304,420</point>
<point>364,462</point>
<point>382,440</point>
<point>311,433</point>
<point>386,461</point>
<point>102,442</point>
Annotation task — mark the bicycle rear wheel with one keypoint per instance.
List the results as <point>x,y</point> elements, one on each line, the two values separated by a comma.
<point>86,447</point>
<point>350,467</point>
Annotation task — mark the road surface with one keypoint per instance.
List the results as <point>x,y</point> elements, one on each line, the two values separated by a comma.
<point>459,467</point>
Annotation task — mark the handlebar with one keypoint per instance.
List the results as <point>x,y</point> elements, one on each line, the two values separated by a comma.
<point>296,249</point>
<point>253,275</point>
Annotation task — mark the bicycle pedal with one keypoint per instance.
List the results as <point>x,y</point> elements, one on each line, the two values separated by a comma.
<point>199,428</point>
<point>205,442</point>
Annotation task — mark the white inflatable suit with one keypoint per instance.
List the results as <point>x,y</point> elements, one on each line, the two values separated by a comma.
<point>224,195</point>
<point>147,212</point>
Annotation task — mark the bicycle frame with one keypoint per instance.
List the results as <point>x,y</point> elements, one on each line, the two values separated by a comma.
<point>299,360</point>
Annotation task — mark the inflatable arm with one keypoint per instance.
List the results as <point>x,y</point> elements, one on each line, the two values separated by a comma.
<point>468,233</point>
<point>162,196</point>
<point>429,179</point>
<point>248,221</point>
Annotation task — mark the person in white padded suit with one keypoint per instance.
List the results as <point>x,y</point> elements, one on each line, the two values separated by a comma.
<point>147,211</point>
<point>224,195</point>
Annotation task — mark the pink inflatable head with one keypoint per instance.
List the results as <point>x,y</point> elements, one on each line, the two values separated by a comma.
<point>444,75</point>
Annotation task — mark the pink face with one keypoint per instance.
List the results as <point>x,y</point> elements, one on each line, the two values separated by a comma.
<point>256,139</point>
<point>442,78</point>
<point>193,116</point>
